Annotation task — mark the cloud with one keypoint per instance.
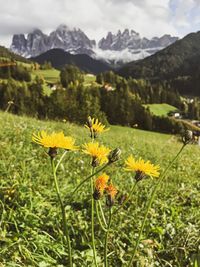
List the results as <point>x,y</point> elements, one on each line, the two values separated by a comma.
<point>96,18</point>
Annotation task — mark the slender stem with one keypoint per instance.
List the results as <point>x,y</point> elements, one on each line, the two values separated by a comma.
<point>106,239</point>
<point>60,160</point>
<point>92,220</point>
<point>127,199</point>
<point>99,218</point>
<point>150,203</point>
<point>102,213</point>
<point>65,228</point>
<point>87,178</point>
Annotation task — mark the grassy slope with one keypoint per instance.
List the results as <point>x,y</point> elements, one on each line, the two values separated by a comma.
<point>89,80</point>
<point>29,215</point>
<point>160,109</point>
<point>51,75</point>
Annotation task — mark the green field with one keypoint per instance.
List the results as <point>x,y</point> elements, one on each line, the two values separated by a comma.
<point>160,109</point>
<point>30,221</point>
<point>89,80</point>
<point>51,75</point>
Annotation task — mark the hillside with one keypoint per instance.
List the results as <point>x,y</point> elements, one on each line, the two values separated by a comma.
<point>30,219</point>
<point>59,58</point>
<point>178,62</point>
<point>7,54</point>
<point>160,109</point>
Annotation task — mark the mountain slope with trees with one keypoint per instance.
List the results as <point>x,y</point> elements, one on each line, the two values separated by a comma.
<point>59,58</point>
<point>7,54</point>
<point>178,63</point>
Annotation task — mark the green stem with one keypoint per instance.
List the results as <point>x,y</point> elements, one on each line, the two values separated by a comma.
<point>127,199</point>
<point>65,228</point>
<point>102,213</point>
<point>150,203</point>
<point>99,218</point>
<point>60,160</point>
<point>87,178</point>
<point>106,239</point>
<point>92,220</point>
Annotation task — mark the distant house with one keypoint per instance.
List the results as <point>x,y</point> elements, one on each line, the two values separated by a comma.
<point>196,123</point>
<point>52,86</point>
<point>175,114</point>
<point>108,87</point>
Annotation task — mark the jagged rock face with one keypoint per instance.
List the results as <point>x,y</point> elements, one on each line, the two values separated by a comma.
<point>132,40</point>
<point>74,41</point>
<point>37,43</point>
<point>19,41</point>
<point>120,47</point>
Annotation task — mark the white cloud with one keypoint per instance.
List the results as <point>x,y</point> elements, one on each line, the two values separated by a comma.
<point>95,17</point>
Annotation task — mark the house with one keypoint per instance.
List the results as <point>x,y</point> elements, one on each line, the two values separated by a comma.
<point>175,114</point>
<point>108,87</point>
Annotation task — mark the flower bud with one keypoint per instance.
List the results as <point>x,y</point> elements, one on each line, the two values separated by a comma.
<point>139,176</point>
<point>187,137</point>
<point>95,162</point>
<point>89,122</point>
<point>109,201</point>
<point>114,155</point>
<point>96,194</point>
<point>52,152</point>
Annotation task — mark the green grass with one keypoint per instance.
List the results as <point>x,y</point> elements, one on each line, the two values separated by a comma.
<point>51,75</point>
<point>160,109</point>
<point>89,80</point>
<point>30,223</point>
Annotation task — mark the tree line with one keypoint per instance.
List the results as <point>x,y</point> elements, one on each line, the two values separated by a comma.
<point>74,102</point>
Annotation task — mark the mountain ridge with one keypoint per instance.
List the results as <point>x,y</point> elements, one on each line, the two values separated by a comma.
<point>123,46</point>
<point>178,64</point>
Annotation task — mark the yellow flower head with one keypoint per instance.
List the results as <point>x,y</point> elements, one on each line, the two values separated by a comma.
<point>95,126</point>
<point>101,183</point>
<point>98,153</point>
<point>54,140</point>
<point>111,191</point>
<point>141,167</point>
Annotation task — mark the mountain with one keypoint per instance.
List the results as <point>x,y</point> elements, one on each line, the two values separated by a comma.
<point>117,48</point>
<point>128,45</point>
<point>178,64</point>
<point>59,58</point>
<point>180,58</point>
<point>71,40</point>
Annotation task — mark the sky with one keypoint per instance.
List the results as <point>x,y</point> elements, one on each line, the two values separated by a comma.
<point>96,17</point>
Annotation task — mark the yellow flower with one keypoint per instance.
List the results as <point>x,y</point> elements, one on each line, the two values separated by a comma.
<point>111,191</point>
<point>95,126</point>
<point>99,153</point>
<point>54,140</point>
<point>101,183</point>
<point>141,167</point>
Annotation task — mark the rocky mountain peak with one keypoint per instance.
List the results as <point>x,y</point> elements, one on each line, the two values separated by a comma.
<point>126,45</point>
<point>71,40</point>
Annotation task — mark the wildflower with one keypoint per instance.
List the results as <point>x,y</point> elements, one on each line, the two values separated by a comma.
<point>111,193</point>
<point>95,127</point>
<point>54,141</point>
<point>99,153</point>
<point>114,155</point>
<point>100,185</point>
<point>141,168</point>
<point>187,137</point>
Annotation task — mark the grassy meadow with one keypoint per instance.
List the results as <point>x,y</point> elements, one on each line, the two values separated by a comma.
<point>30,221</point>
<point>161,109</point>
<point>50,75</point>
